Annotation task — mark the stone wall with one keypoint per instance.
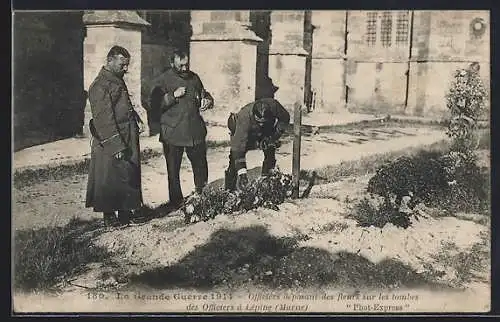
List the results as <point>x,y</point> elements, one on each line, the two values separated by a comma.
<point>351,68</point>
<point>287,56</point>
<point>328,67</point>
<point>230,75</point>
<point>378,50</point>
<point>223,52</point>
<point>445,41</point>
<point>48,84</point>
<point>108,28</point>
<point>99,41</point>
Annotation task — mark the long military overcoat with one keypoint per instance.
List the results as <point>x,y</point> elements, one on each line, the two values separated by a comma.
<point>113,183</point>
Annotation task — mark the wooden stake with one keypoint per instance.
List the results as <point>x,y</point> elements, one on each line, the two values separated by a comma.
<point>297,123</point>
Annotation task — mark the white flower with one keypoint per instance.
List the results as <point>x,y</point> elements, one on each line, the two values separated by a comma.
<point>189,209</point>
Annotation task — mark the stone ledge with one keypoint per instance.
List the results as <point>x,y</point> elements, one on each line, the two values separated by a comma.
<point>296,51</point>
<point>105,17</point>
<point>244,35</point>
<point>326,57</point>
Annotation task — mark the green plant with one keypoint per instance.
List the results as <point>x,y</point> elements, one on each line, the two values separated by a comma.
<point>466,101</point>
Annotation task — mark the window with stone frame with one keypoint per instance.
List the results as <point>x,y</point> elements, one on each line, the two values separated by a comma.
<point>371,28</point>
<point>402,28</point>
<point>386,29</point>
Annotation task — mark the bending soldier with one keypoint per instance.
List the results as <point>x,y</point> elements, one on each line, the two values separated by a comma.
<point>258,124</point>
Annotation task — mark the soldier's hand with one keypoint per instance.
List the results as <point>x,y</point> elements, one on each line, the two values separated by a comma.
<point>205,104</point>
<point>142,127</point>
<point>264,144</point>
<point>242,181</point>
<point>123,155</point>
<point>120,155</point>
<point>179,92</point>
<point>279,130</point>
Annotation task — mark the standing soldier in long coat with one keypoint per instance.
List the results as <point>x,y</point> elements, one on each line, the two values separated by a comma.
<point>179,95</point>
<point>114,183</point>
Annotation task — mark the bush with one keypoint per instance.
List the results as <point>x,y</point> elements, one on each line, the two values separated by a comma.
<point>421,176</point>
<point>267,192</point>
<point>369,212</point>
<point>451,180</point>
<point>466,100</point>
<point>468,184</point>
<point>42,258</point>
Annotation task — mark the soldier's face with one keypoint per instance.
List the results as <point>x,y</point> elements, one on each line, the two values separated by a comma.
<point>181,65</point>
<point>118,65</point>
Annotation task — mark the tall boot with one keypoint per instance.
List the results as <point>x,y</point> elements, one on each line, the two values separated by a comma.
<point>230,180</point>
<point>269,162</point>
<point>124,217</point>
<point>110,219</point>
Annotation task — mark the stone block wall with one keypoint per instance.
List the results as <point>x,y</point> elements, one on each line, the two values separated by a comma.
<point>223,52</point>
<point>99,41</point>
<point>233,51</point>
<point>429,84</point>
<point>378,50</point>
<point>288,72</point>
<point>328,66</point>
<point>287,56</point>
<point>377,87</point>
<point>445,41</point>
<point>227,70</point>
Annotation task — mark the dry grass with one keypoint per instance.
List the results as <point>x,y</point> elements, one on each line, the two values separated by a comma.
<point>366,165</point>
<point>467,264</point>
<point>45,257</point>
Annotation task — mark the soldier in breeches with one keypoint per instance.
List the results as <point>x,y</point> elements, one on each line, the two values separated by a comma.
<point>179,95</point>
<point>258,124</point>
<point>114,182</point>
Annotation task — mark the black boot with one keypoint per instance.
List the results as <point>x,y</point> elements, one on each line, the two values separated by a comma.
<point>124,217</point>
<point>229,180</point>
<point>110,219</point>
<point>269,162</point>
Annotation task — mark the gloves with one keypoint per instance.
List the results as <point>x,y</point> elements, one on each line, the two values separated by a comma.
<point>242,181</point>
<point>278,130</point>
<point>207,101</point>
<point>123,155</point>
<point>269,143</point>
<point>265,143</point>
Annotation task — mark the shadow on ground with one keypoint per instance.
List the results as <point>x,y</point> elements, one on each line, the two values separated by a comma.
<point>251,256</point>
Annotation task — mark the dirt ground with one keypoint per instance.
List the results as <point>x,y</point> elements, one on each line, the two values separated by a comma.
<point>56,202</point>
<point>308,243</point>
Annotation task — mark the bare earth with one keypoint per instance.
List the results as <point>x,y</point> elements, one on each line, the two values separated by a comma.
<point>244,252</point>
